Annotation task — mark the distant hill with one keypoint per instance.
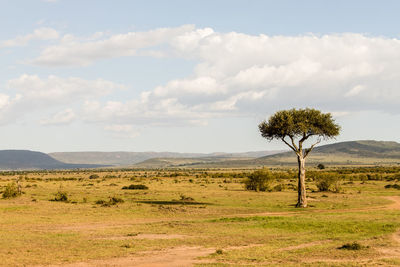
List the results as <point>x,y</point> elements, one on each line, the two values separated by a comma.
<point>351,152</point>
<point>186,162</point>
<point>130,158</point>
<point>365,152</point>
<point>31,160</point>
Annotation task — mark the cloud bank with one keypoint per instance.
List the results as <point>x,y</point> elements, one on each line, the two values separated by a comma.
<point>236,75</point>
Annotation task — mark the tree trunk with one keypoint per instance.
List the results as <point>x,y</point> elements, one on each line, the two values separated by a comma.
<point>302,199</point>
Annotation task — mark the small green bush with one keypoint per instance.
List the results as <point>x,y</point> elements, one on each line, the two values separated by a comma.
<point>351,246</point>
<point>395,186</point>
<point>11,191</point>
<point>184,198</point>
<point>61,196</point>
<point>94,176</point>
<point>112,201</point>
<point>328,182</point>
<point>135,187</point>
<point>259,180</point>
<point>116,200</point>
<point>321,166</point>
<point>279,188</point>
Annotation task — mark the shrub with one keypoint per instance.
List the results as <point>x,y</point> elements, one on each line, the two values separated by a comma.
<point>321,166</point>
<point>351,246</point>
<point>184,198</point>
<point>135,187</point>
<point>259,180</point>
<point>94,176</point>
<point>395,186</point>
<point>112,201</point>
<point>116,200</point>
<point>101,202</point>
<point>61,196</point>
<point>11,191</point>
<point>279,188</point>
<point>328,182</point>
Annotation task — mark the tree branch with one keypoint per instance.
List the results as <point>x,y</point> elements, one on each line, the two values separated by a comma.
<point>294,145</point>
<point>308,150</point>
<point>305,137</point>
<point>289,145</point>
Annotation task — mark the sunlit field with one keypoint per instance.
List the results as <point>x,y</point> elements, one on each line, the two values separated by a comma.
<point>199,217</point>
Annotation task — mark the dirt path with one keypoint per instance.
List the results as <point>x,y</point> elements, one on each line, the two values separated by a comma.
<point>172,257</point>
<point>396,202</point>
<point>394,251</point>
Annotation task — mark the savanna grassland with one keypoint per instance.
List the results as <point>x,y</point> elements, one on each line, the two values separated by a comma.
<point>201,217</point>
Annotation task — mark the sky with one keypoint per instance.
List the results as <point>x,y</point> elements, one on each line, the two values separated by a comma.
<point>192,76</point>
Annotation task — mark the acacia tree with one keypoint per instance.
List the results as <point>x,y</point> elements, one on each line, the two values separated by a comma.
<point>295,126</point>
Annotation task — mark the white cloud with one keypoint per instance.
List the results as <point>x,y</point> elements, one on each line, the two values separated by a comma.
<point>245,75</point>
<point>55,90</point>
<point>122,130</point>
<point>38,34</point>
<point>236,75</point>
<point>63,117</point>
<point>356,90</point>
<point>72,51</point>
<point>30,93</point>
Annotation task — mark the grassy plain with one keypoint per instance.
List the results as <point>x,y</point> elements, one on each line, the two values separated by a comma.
<point>204,217</point>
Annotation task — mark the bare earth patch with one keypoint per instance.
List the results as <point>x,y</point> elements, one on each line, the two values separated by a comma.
<point>146,236</point>
<point>173,257</point>
<point>393,252</point>
<point>305,245</point>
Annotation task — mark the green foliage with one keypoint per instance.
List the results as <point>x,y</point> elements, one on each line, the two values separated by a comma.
<point>135,187</point>
<point>11,191</point>
<point>328,182</point>
<point>111,202</point>
<point>259,180</point>
<point>321,166</point>
<point>299,123</point>
<point>184,198</point>
<point>279,188</point>
<point>94,176</point>
<point>219,251</point>
<point>395,186</point>
<point>61,196</point>
<point>351,246</point>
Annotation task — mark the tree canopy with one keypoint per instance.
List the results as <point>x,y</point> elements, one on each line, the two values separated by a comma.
<point>299,124</point>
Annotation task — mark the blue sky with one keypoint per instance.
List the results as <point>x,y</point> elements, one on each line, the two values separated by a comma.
<point>192,76</point>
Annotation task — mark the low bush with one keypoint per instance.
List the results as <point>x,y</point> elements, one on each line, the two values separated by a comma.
<point>94,176</point>
<point>279,188</point>
<point>11,191</point>
<point>135,187</point>
<point>184,198</point>
<point>219,251</point>
<point>395,186</point>
<point>61,196</point>
<point>259,180</point>
<point>328,182</point>
<point>112,201</point>
<point>351,246</point>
